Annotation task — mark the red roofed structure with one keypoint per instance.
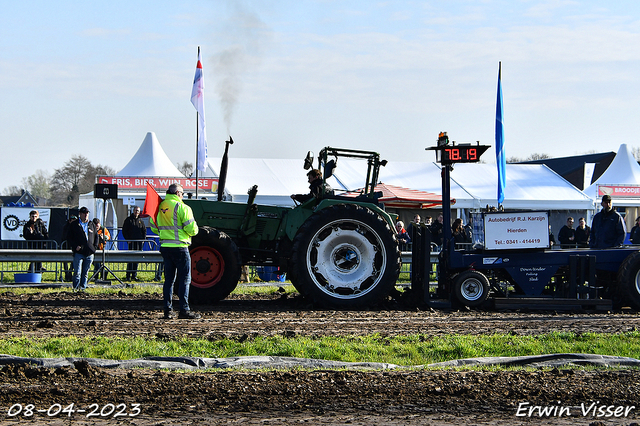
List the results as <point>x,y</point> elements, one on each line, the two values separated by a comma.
<point>404,198</point>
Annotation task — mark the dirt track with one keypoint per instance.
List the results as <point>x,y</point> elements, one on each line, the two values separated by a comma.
<point>315,397</point>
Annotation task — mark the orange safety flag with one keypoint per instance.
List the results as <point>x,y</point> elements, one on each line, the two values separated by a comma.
<point>151,203</point>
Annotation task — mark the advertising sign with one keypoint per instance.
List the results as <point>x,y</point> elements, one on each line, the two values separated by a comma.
<point>516,230</point>
<point>14,219</point>
<point>619,191</point>
<point>159,183</point>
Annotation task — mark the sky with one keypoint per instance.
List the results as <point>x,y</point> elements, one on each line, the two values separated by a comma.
<point>283,77</point>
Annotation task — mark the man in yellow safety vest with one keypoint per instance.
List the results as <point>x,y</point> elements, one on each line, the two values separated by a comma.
<point>175,225</point>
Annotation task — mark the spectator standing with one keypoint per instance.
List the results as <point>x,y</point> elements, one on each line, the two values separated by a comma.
<point>635,232</point>
<point>135,230</point>
<point>582,233</point>
<point>403,236</point>
<point>68,267</point>
<point>468,229</point>
<point>414,223</point>
<point>83,239</point>
<point>103,236</point>
<point>567,235</point>
<point>36,231</point>
<point>175,225</point>
<point>437,230</point>
<point>458,232</point>
<point>607,228</point>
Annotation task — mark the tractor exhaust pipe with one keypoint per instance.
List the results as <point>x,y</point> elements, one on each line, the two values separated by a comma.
<point>222,179</point>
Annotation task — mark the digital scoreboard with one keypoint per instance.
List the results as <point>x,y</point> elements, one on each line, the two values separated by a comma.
<point>460,153</point>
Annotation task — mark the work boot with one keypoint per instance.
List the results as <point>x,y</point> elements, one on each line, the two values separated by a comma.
<point>189,315</point>
<point>168,313</point>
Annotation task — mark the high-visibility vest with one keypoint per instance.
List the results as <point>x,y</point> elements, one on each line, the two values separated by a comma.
<point>174,224</point>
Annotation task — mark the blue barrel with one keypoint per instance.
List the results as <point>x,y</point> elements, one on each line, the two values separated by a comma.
<point>270,274</point>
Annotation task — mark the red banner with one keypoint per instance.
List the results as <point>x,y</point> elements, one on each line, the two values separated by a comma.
<point>619,191</point>
<point>159,183</point>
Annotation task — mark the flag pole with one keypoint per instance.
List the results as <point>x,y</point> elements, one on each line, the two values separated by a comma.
<point>197,139</point>
<point>197,99</point>
<point>500,152</point>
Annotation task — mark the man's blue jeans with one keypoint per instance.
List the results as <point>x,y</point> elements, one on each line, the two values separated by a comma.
<point>177,268</point>
<point>81,266</point>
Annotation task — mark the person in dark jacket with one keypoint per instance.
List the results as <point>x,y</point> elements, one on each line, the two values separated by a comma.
<point>83,240</point>
<point>607,228</point>
<point>36,231</point>
<point>67,266</point>
<point>582,233</point>
<point>415,223</point>
<point>134,229</point>
<point>458,232</point>
<point>567,235</point>
<point>635,232</point>
<point>317,189</point>
<point>437,230</point>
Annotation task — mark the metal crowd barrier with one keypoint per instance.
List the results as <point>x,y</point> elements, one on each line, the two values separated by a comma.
<point>26,245</point>
<point>16,256</point>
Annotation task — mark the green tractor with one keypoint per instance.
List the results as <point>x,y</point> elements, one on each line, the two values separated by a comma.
<point>338,251</point>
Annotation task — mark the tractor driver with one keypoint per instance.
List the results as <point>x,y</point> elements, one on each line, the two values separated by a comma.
<point>317,189</point>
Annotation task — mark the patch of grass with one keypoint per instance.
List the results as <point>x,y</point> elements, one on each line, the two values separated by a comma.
<point>401,350</point>
<point>151,289</point>
<point>138,289</point>
<point>283,288</point>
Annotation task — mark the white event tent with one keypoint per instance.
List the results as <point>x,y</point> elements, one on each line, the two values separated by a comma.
<point>150,160</point>
<point>623,170</point>
<point>621,181</point>
<point>473,186</point>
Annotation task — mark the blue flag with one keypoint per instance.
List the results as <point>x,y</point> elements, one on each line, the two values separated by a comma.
<point>501,159</point>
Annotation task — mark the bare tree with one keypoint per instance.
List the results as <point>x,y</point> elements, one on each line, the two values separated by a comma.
<point>12,191</point>
<point>65,180</point>
<point>186,168</point>
<point>532,157</point>
<point>536,156</point>
<point>88,181</point>
<point>75,177</point>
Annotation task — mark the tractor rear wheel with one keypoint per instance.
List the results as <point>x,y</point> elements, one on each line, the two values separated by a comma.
<point>215,266</point>
<point>345,256</point>
<point>471,288</point>
<point>629,280</point>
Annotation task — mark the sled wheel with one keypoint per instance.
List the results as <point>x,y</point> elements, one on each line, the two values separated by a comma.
<point>629,280</point>
<point>471,288</point>
<point>215,266</point>
<point>346,256</point>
